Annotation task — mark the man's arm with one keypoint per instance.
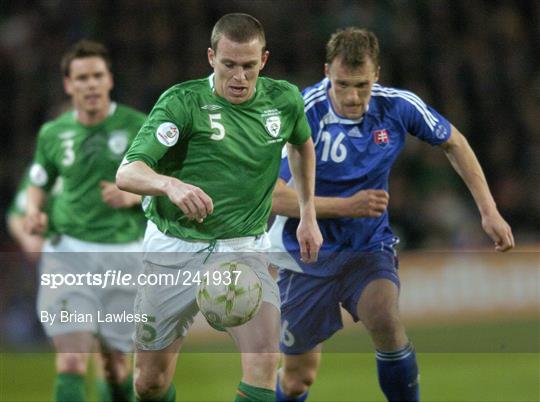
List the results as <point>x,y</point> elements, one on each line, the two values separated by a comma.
<point>302,164</point>
<point>116,198</point>
<point>35,220</point>
<point>137,177</point>
<point>362,204</point>
<point>30,244</point>
<point>466,164</point>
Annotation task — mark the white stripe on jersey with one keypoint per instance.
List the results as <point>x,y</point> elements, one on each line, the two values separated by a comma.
<point>314,101</point>
<point>308,95</point>
<point>414,100</point>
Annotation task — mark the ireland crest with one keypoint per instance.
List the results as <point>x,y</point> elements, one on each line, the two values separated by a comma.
<point>273,124</point>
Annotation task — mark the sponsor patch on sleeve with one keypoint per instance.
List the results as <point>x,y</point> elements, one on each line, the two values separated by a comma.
<point>38,175</point>
<point>167,134</point>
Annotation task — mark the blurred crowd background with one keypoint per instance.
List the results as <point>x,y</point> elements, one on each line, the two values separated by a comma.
<point>474,61</point>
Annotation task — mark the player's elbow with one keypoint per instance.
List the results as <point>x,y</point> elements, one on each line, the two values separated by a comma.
<point>122,178</point>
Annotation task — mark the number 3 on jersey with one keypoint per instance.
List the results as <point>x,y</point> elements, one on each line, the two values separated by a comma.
<point>215,123</point>
<point>335,150</point>
<point>69,153</point>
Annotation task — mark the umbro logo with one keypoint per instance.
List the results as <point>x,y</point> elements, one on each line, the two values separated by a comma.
<point>211,108</point>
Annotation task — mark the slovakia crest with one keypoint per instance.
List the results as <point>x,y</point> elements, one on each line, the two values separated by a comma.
<point>273,125</point>
<point>381,137</point>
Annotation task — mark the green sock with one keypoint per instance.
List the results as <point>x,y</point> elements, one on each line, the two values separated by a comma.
<point>123,392</point>
<point>170,396</point>
<point>249,393</point>
<point>103,390</point>
<point>69,388</point>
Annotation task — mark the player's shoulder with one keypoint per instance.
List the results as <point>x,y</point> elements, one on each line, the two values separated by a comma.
<point>191,87</point>
<point>273,86</point>
<point>57,125</point>
<point>315,96</point>
<point>390,98</point>
<point>184,94</point>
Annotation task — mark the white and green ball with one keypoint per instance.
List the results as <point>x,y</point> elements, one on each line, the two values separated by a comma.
<point>229,304</point>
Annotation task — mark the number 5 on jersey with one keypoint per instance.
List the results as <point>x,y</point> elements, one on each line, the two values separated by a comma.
<point>215,123</point>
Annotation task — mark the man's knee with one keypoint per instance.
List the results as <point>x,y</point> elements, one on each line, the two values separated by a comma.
<point>116,367</point>
<point>151,386</point>
<point>382,321</point>
<point>297,381</point>
<point>72,363</point>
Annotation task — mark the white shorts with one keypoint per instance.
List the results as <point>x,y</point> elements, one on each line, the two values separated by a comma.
<point>171,308</point>
<point>82,306</point>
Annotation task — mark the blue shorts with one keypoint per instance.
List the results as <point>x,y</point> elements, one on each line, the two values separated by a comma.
<point>310,305</point>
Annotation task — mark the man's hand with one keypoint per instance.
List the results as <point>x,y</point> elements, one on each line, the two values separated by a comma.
<point>310,239</point>
<point>116,198</point>
<point>193,202</point>
<point>35,222</point>
<point>499,231</point>
<point>366,204</point>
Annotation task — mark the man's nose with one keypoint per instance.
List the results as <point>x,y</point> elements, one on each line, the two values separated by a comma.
<point>239,74</point>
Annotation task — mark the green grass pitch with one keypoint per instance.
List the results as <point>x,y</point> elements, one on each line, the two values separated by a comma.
<point>488,362</point>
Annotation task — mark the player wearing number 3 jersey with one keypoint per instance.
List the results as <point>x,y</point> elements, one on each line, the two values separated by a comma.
<point>83,148</point>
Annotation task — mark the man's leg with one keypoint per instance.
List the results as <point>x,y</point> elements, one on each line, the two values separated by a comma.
<point>103,390</point>
<point>117,369</point>
<point>154,371</point>
<point>396,359</point>
<point>72,353</point>
<point>258,342</point>
<point>297,375</point>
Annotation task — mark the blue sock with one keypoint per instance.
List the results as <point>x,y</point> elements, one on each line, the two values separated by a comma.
<point>398,374</point>
<point>281,397</point>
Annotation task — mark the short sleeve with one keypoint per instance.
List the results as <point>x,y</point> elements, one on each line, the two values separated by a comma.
<point>43,171</point>
<point>165,125</point>
<point>301,132</point>
<point>423,121</point>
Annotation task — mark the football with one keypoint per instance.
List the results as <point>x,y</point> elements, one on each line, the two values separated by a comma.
<point>229,294</point>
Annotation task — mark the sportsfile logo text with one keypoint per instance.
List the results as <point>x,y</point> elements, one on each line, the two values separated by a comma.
<point>114,277</point>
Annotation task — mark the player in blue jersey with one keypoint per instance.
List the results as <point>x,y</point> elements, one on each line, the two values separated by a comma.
<point>359,127</point>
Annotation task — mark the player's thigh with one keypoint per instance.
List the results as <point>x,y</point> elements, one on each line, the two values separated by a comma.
<point>166,311</point>
<point>310,311</point>
<point>117,319</point>
<point>370,285</point>
<point>378,302</point>
<point>65,303</point>
<point>261,333</point>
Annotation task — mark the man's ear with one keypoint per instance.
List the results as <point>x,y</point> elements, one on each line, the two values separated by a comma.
<point>264,59</point>
<point>327,70</point>
<point>67,86</point>
<point>211,56</point>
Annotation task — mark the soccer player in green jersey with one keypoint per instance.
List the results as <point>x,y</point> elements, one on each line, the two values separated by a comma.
<point>90,215</point>
<point>208,156</point>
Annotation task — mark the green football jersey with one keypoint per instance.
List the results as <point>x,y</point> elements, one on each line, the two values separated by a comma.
<point>83,156</point>
<point>232,152</point>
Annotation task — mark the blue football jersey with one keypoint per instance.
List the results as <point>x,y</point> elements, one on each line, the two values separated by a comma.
<point>354,155</point>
